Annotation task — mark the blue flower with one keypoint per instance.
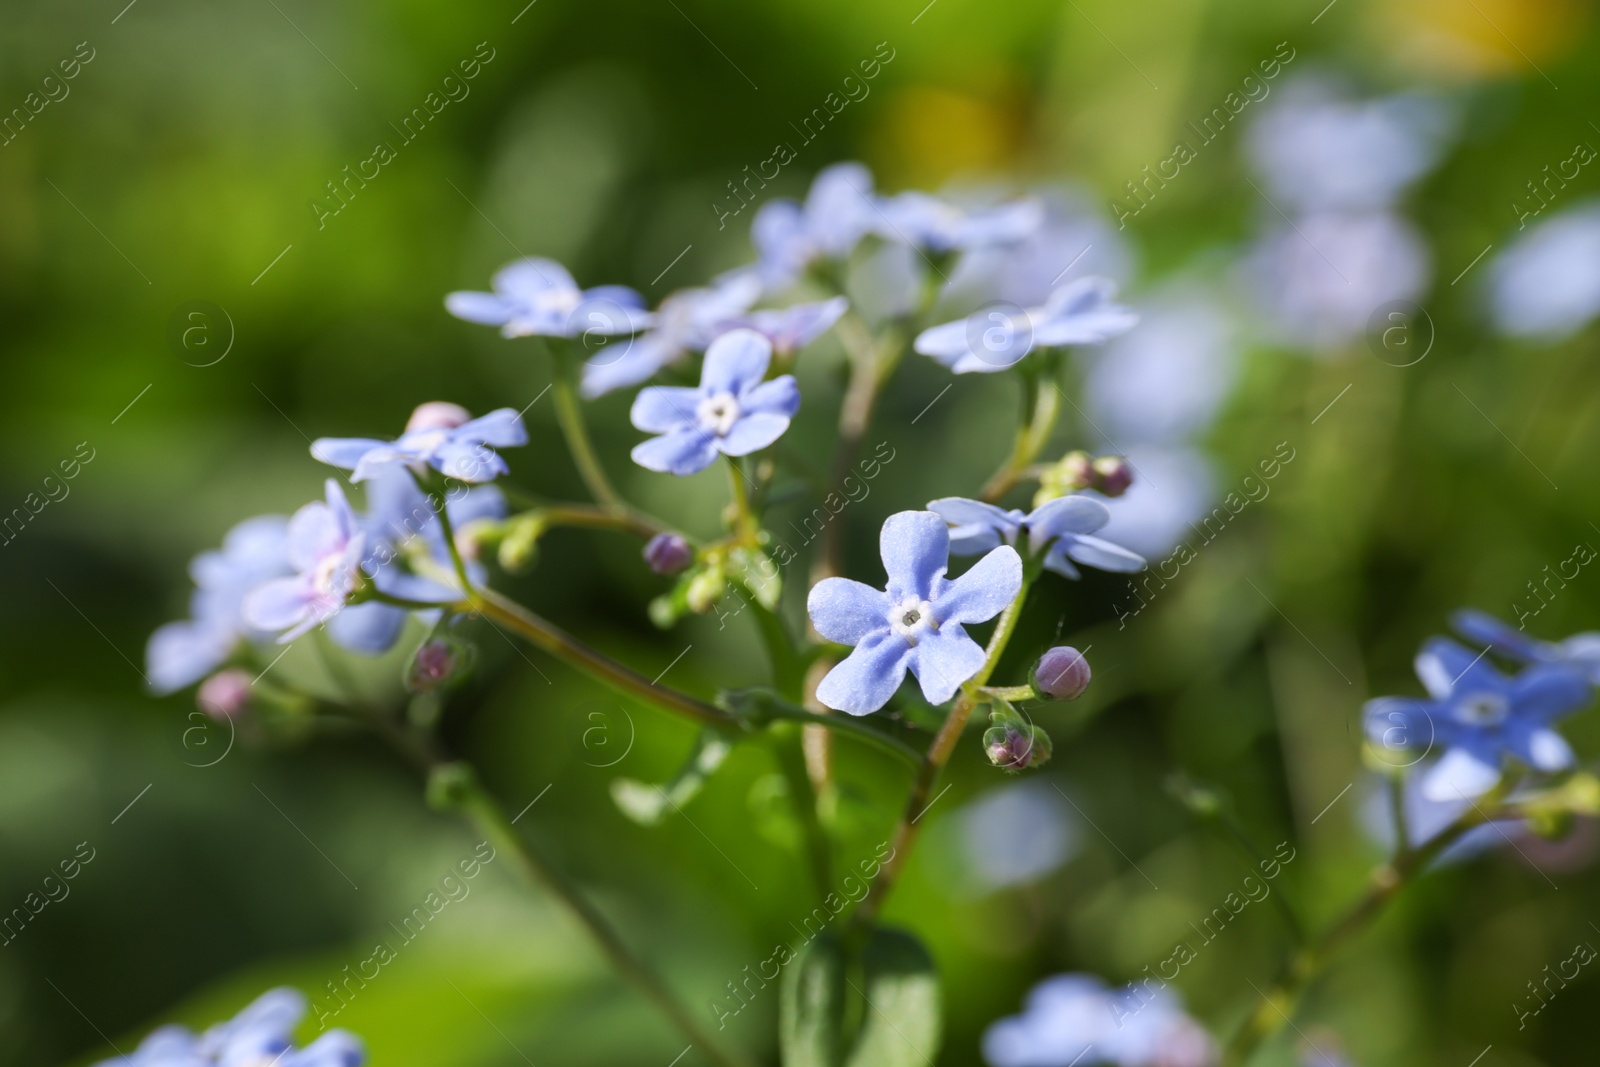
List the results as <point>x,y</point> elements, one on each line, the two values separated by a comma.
<point>1081,312</point>
<point>916,622</point>
<point>438,435</point>
<point>1579,650</point>
<point>686,321</point>
<point>938,226</point>
<point>182,653</point>
<point>732,412</point>
<point>839,211</point>
<point>537,297</point>
<point>262,1033</point>
<point>325,547</point>
<point>1075,1020</point>
<point>1479,717</point>
<point>792,328</point>
<point>1060,528</point>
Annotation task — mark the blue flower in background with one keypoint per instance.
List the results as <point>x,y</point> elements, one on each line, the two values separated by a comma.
<point>325,546</point>
<point>1545,285</point>
<point>839,211</point>
<point>792,328</point>
<point>1060,528</point>
<point>1479,717</point>
<point>686,321</point>
<point>915,622</point>
<point>438,435</point>
<point>1075,1020</point>
<point>1081,312</point>
<point>732,412</point>
<point>1579,650</point>
<point>262,1033</point>
<point>182,653</point>
<point>937,226</point>
<point>537,297</point>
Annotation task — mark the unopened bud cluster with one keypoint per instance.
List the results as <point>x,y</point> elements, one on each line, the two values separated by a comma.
<point>1076,471</point>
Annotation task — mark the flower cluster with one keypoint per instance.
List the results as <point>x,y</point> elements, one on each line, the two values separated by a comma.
<point>1075,1019</point>
<point>263,1032</point>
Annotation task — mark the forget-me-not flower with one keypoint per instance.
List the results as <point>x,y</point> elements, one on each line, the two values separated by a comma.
<point>1074,1020</point>
<point>916,622</point>
<point>538,298</point>
<point>792,328</point>
<point>1062,529</point>
<point>262,1033</point>
<point>937,226</point>
<point>438,435</point>
<point>994,339</point>
<point>181,653</point>
<point>1579,650</point>
<point>732,412</point>
<point>686,321</point>
<point>325,546</point>
<point>1546,283</point>
<point>839,211</point>
<point>1479,717</point>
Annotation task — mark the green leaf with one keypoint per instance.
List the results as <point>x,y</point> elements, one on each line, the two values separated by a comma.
<point>811,1005</point>
<point>902,1022</point>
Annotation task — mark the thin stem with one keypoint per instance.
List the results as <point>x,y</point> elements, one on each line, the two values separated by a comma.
<point>749,528</point>
<point>570,417</point>
<point>441,507</point>
<point>627,521</point>
<point>772,708</point>
<point>792,762</point>
<point>1397,804</point>
<point>597,665</point>
<point>1039,394</point>
<point>938,755</point>
<point>1008,692</point>
<point>1278,1003</point>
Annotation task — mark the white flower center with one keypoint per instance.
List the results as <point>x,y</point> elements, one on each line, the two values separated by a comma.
<point>718,413</point>
<point>911,618</point>
<point>1483,709</point>
<point>330,578</point>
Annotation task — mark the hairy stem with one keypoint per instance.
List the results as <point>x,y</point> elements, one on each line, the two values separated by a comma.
<point>1041,407</point>
<point>944,744</point>
<point>570,417</point>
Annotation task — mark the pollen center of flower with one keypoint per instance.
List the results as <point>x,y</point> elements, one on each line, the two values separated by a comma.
<point>332,579</point>
<point>718,413</point>
<point>1483,709</point>
<point>911,618</point>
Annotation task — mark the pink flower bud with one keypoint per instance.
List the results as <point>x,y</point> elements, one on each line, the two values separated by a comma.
<point>1113,475</point>
<point>437,662</point>
<point>1061,673</point>
<point>437,415</point>
<point>224,694</point>
<point>668,553</point>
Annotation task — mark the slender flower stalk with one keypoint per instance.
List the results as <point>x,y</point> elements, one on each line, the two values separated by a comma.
<point>934,761</point>
<point>569,415</point>
<point>1041,402</point>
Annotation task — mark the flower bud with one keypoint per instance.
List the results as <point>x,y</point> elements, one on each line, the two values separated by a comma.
<point>520,544</point>
<point>1112,475</point>
<point>668,553</point>
<point>224,694</point>
<point>705,589</point>
<point>437,662</point>
<point>1061,674</point>
<point>437,415</point>
<point>1015,745</point>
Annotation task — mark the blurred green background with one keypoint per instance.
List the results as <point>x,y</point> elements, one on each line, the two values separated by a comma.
<point>180,167</point>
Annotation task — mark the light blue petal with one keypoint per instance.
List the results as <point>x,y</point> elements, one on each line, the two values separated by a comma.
<point>983,591</point>
<point>1445,666</point>
<point>371,628</point>
<point>1545,692</point>
<point>735,362</point>
<point>1485,629</point>
<point>1056,560</point>
<point>847,611</point>
<point>468,462</point>
<point>682,452</point>
<point>664,408</point>
<point>181,653</point>
<point>278,604</point>
<point>485,309</point>
<point>336,1048</point>
<point>1072,514</point>
<point>992,362</point>
<point>526,279</point>
<point>946,657</point>
<point>946,343</point>
<point>1102,554</point>
<point>625,363</point>
<point>963,511</point>
<point>752,433</point>
<point>313,533</point>
<point>1459,775</point>
<point>502,428</point>
<point>1396,724</point>
<point>607,311</point>
<point>781,396</point>
<point>973,538</point>
<point>865,680</point>
<point>915,547</point>
<point>343,452</point>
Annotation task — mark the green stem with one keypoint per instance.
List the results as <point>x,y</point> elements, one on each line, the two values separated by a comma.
<point>1008,692</point>
<point>944,743</point>
<point>629,520</point>
<point>768,707</point>
<point>570,417</point>
<point>1041,407</point>
<point>792,762</point>
<point>1278,1003</point>
<point>748,527</point>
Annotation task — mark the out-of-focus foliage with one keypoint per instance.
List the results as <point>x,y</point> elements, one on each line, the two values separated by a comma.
<point>180,166</point>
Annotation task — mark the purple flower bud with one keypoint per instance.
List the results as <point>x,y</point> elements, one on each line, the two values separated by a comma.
<point>668,553</point>
<point>1113,475</point>
<point>224,694</point>
<point>437,415</point>
<point>1016,746</point>
<point>437,662</point>
<point>1075,471</point>
<point>1061,673</point>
